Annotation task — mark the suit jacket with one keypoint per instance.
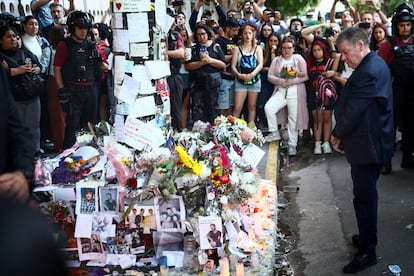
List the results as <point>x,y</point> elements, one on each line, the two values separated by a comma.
<point>363,113</point>
<point>16,152</point>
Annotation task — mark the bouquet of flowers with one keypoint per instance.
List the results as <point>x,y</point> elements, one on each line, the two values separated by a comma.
<point>288,73</point>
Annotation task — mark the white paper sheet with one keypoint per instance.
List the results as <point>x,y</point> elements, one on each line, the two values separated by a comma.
<point>116,21</point>
<point>119,128</point>
<point>158,69</point>
<point>252,155</point>
<point>144,106</point>
<point>138,134</point>
<point>129,90</point>
<point>121,40</point>
<point>138,50</point>
<point>140,73</point>
<point>83,227</point>
<point>138,27</point>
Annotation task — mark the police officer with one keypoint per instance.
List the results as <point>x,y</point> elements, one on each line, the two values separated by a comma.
<point>398,52</point>
<point>78,69</point>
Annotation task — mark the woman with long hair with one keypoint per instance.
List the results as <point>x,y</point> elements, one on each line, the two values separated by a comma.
<point>317,63</point>
<point>271,50</point>
<point>18,63</point>
<point>246,64</point>
<point>288,72</point>
<point>378,36</point>
<point>205,67</point>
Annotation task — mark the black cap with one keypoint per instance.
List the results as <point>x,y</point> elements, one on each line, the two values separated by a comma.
<point>232,22</point>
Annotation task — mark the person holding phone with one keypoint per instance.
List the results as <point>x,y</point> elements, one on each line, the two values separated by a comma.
<point>205,67</point>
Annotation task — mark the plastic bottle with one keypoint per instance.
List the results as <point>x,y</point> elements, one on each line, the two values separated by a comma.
<point>189,251</point>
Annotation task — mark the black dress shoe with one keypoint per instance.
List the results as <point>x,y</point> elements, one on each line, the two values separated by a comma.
<point>386,168</point>
<point>360,262</point>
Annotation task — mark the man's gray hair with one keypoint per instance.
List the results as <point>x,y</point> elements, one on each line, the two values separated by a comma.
<point>352,35</point>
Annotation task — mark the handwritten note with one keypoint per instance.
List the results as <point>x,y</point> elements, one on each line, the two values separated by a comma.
<point>131,5</point>
<point>138,50</point>
<point>129,90</point>
<point>252,155</point>
<point>138,134</point>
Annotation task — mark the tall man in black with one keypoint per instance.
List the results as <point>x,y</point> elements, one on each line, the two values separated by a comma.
<point>78,69</point>
<point>364,133</point>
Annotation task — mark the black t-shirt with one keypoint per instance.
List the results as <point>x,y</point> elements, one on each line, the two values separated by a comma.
<point>227,46</point>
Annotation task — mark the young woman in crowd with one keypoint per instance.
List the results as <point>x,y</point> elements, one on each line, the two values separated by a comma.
<point>57,117</point>
<point>379,35</point>
<point>288,72</point>
<point>19,62</point>
<point>317,63</point>
<point>271,50</point>
<point>205,66</point>
<point>264,33</point>
<point>246,64</point>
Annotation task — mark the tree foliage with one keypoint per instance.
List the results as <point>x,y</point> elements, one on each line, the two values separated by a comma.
<point>299,7</point>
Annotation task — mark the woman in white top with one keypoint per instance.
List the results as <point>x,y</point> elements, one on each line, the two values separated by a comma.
<point>288,72</point>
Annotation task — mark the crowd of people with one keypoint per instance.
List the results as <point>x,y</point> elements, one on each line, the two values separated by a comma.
<point>246,62</point>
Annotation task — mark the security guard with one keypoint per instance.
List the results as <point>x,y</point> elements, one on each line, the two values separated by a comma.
<point>78,69</point>
<point>398,52</point>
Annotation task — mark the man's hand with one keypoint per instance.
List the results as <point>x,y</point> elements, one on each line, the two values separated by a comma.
<point>14,185</point>
<point>335,141</point>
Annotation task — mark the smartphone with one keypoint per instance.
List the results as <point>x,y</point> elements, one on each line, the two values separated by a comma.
<point>203,49</point>
<point>178,3</point>
<point>362,2</point>
<point>364,25</point>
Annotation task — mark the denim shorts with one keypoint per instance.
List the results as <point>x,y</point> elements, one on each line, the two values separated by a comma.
<point>247,87</point>
<point>225,95</point>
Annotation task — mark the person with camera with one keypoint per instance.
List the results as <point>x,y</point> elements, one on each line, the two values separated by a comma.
<point>347,17</point>
<point>78,69</point>
<point>207,18</point>
<point>398,53</point>
<point>24,70</point>
<point>42,11</point>
<point>295,28</point>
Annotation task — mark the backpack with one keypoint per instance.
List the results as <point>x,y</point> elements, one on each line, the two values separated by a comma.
<point>247,65</point>
<point>327,88</point>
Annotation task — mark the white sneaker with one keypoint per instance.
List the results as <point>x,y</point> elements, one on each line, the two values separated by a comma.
<point>273,136</point>
<point>318,148</point>
<point>292,150</point>
<point>326,147</point>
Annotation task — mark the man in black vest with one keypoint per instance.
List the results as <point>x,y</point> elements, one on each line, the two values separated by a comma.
<point>398,53</point>
<point>78,69</point>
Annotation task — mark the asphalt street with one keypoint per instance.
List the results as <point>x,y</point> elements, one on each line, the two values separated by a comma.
<point>318,218</point>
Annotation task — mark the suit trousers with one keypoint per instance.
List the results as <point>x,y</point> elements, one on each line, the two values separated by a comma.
<point>365,201</point>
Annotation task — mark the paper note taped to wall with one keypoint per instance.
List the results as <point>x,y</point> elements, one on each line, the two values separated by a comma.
<point>131,5</point>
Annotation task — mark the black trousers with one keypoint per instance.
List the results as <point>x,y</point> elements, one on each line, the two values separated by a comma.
<point>365,201</point>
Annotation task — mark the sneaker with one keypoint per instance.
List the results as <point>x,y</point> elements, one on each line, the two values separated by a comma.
<point>318,148</point>
<point>273,136</point>
<point>292,150</point>
<point>326,147</point>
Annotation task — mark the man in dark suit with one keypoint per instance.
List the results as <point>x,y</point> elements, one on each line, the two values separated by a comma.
<point>16,152</point>
<point>364,133</point>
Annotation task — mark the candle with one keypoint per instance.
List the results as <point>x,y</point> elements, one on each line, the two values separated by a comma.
<point>240,269</point>
<point>224,267</point>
